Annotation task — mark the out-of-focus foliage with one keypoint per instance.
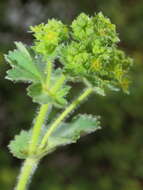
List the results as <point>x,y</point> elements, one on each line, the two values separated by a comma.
<point>111,159</point>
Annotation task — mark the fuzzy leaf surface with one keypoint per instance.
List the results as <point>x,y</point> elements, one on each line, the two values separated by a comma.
<point>69,133</point>
<point>19,146</point>
<point>23,65</point>
<point>44,95</point>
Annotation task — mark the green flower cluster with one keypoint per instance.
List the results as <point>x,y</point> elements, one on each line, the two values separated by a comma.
<point>93,54</point>
<point>48,37</point>
<point>97,27</point>
<point>87,50</point>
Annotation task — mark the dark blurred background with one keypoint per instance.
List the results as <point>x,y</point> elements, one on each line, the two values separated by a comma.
<point>110,159</point>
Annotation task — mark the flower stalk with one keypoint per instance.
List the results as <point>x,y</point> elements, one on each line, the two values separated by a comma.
<point>64,115</point>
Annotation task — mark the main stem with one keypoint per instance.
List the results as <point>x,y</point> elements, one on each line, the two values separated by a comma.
<point>41,116</point>
<point>27,171</point>
<point>37,127</point>
<point>64,114</point>
<point>30,164</point>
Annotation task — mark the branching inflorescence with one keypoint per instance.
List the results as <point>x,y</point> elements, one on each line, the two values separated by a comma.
<point>84,52</point>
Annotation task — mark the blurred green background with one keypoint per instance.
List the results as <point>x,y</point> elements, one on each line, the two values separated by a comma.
<point>110,159</point>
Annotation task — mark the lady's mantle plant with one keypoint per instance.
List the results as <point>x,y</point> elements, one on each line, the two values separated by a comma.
<point>84,52</point>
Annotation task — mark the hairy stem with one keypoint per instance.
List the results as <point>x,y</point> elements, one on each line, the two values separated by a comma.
<point>64,114</point>
<point>30,164</point>
<point>37,127</point>
<point>28,169</point>
<point>41,116</point>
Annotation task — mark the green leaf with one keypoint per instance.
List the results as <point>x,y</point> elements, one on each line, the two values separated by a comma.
<point>23,66</point>
<point>38,94</point>
<point>43,95</point>
<point>70,132</point>
<point>60,96</point>
<point>19,146</point>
